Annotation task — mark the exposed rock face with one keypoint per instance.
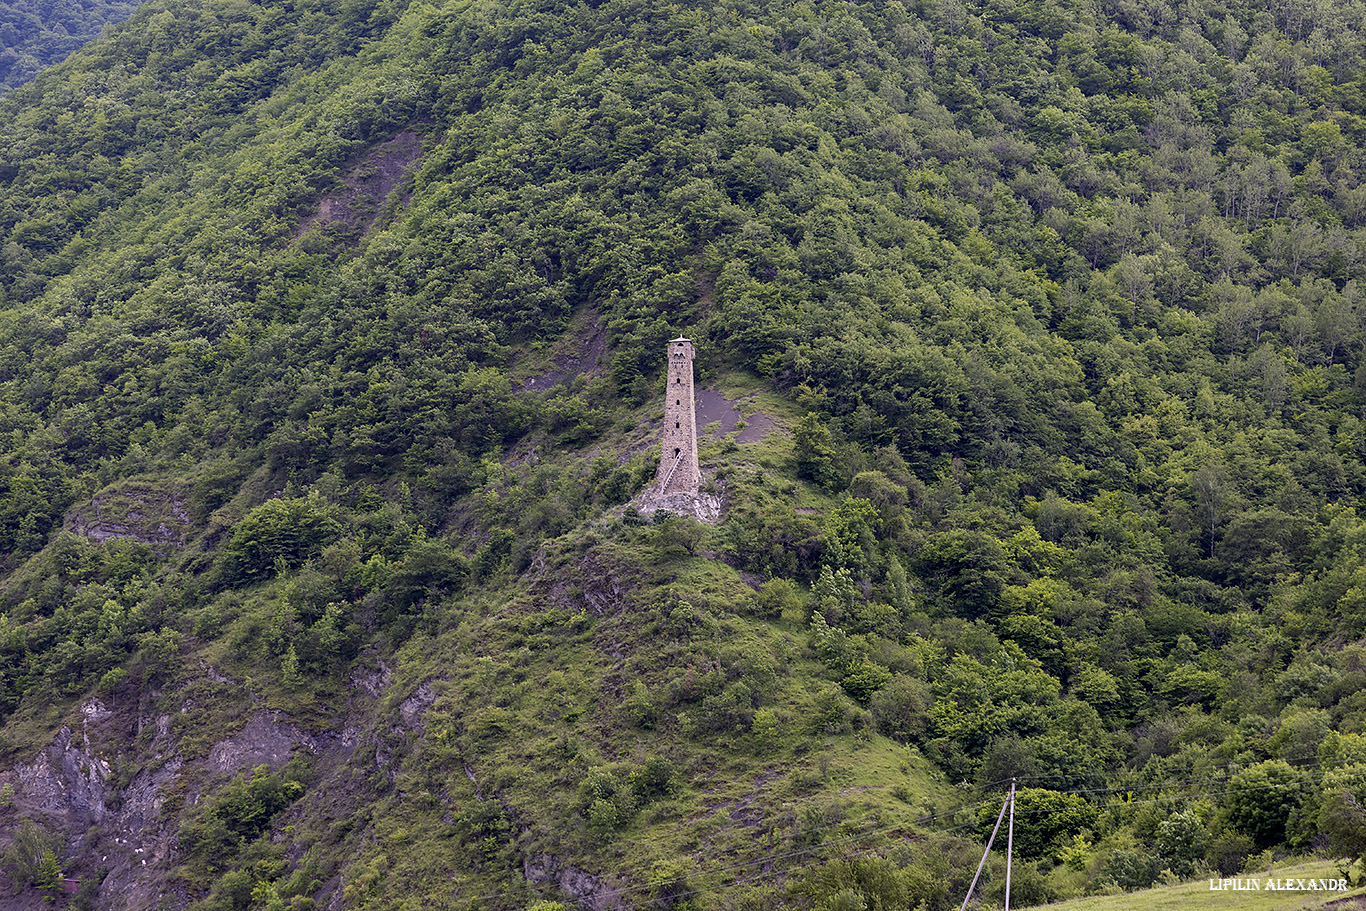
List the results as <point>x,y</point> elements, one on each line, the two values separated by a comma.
<point>585,888</point>
<point>114,785</point>
<point>144,796</point>
<point>65,778</point>
<point>72,789</point>
<point>70,786</point>
<point>704,507</point>
<point>140,852</point>
<point>266,740</point>
<point>582,352</point>
<point>144,514</point>
<point>601,587</point>
<point>372,682</point>
<point>416,705</point>
<point>359,202</point>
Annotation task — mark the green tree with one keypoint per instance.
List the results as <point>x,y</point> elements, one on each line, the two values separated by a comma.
<point>1181,841</point>
<point>872,883</point>
<point>1342,811</point>
<point>968,567</point>
<point>30,856</point>
<point>849,536</point>
<point>48,877</point>
<point>901,709</point>
<point>1045,821</point>
<point>283,529</point>
<point>817,457</point>
<point>1264,799</point>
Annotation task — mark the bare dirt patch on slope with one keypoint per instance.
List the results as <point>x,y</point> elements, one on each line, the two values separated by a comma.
<point>579,353</point>
<point>360,201</point>
<point>715,408</point>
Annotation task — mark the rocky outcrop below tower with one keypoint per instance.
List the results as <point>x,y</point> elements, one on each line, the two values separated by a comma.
<point>704,507</point>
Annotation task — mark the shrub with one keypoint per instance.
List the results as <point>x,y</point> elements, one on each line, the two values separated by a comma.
<point>863,679</point>
<point>653,780</point>
<point>1228,852</point>
<point>606,805</point>
<point>1181,842</point>
<point>775,598</point>
<point>901,709</point>
<point>1132,869</point>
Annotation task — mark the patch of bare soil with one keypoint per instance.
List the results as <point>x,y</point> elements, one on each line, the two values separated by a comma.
<point>1350,903</point>
<point>360,200</point>
<point>713,407</point>
<point>579,353</point>
<point>759,426</point>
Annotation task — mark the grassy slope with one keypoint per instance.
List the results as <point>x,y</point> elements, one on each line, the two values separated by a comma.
<point>1199,895</point>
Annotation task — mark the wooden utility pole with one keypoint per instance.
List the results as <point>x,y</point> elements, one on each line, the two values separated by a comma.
<point>1010,846</point>
<point>1010,840</point>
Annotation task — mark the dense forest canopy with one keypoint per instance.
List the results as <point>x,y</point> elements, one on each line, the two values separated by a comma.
<point>35,35</point>
<point>1057,308</point>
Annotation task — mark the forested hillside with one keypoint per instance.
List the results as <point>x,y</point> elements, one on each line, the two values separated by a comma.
<point>35,35</point>
<point>333,339</point>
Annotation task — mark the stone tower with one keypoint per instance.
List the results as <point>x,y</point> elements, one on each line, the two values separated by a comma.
<point>678,473</point>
